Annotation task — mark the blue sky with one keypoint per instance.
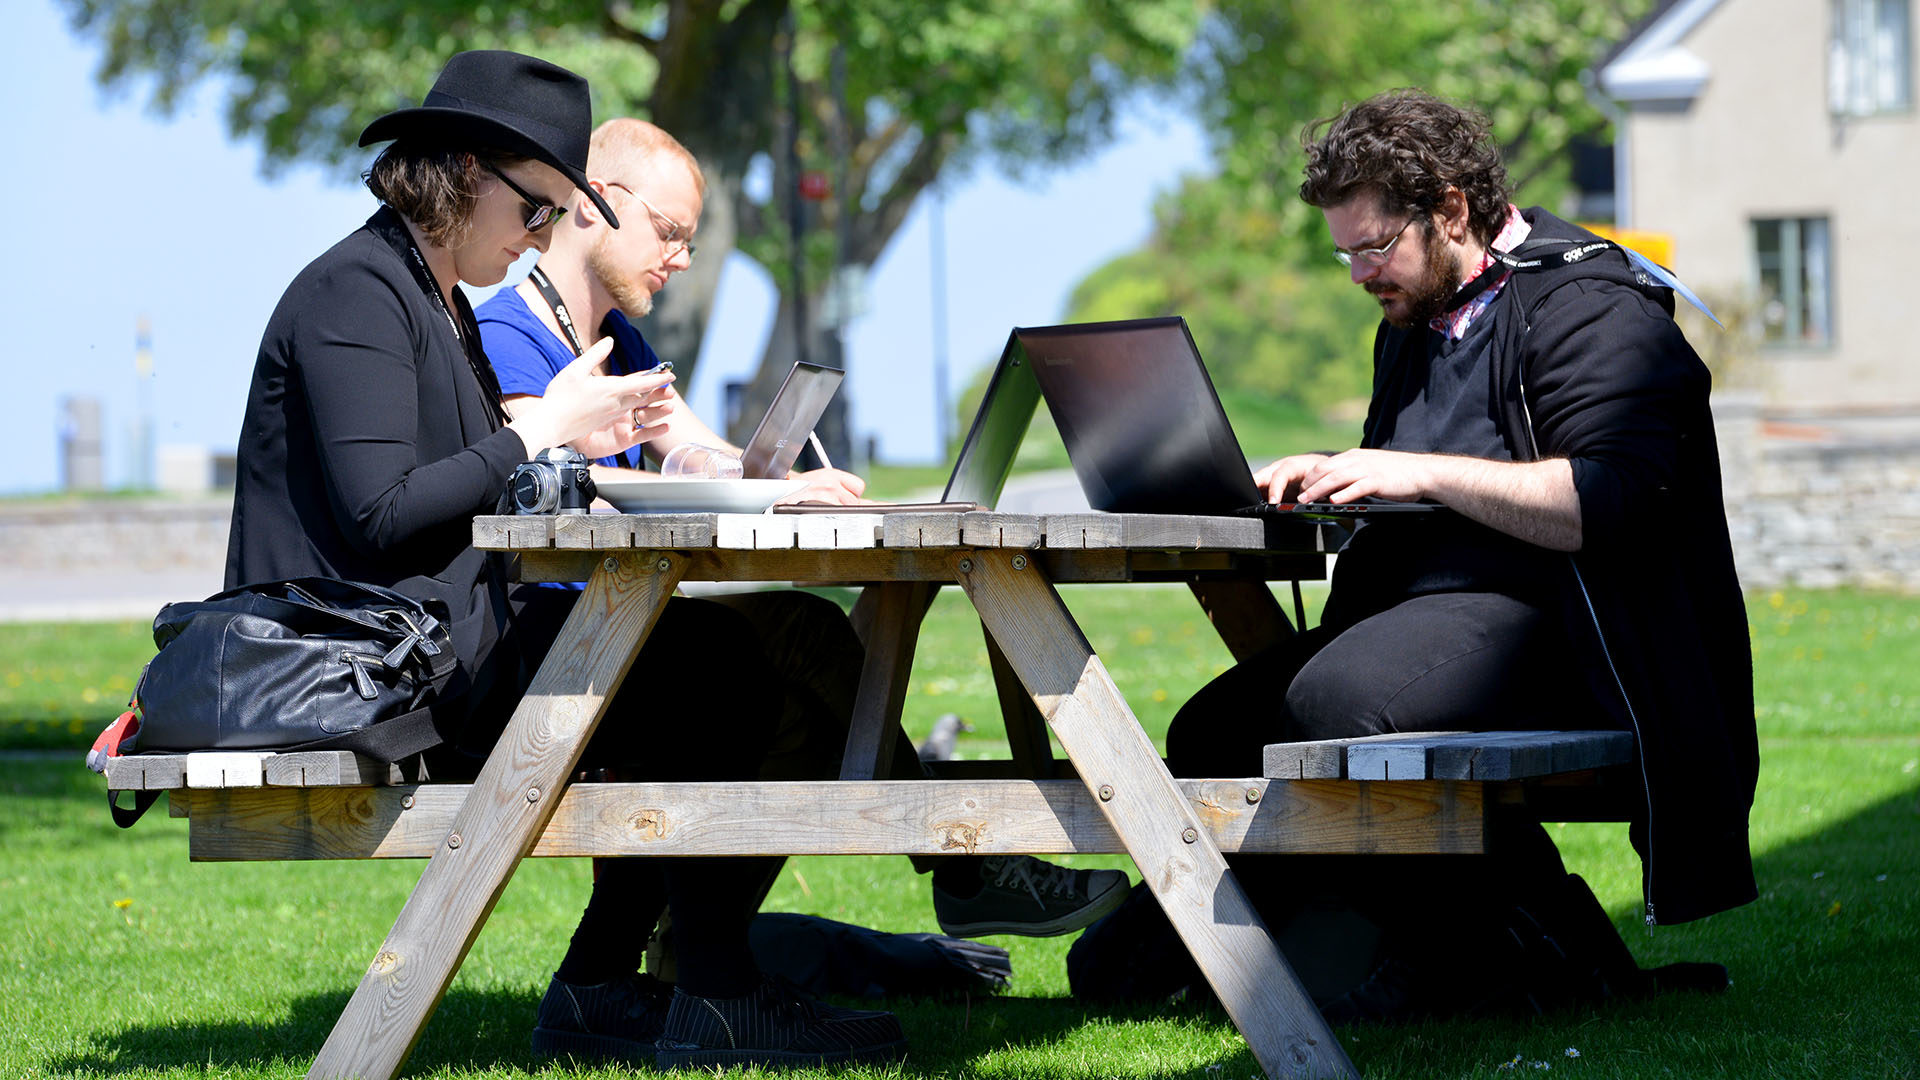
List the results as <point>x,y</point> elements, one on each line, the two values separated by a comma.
<point>118,214</point>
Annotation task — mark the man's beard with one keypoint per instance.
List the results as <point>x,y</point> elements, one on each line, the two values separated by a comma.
<point>1431,295</point>
<point>629,294</point>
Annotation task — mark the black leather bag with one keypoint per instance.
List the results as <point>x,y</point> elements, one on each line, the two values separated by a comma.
<point>307,664</point>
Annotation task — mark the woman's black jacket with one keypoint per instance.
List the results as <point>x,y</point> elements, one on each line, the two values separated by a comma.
<point>369,443</point>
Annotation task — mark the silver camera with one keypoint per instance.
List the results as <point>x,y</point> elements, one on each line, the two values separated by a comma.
<point>556,481</point>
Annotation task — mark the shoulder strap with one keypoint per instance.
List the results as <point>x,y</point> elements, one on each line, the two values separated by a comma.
<point>1535,254</point>
<point>125,816</point>
<point>389,740</point>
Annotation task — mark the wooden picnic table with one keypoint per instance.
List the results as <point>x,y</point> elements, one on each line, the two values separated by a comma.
<point>1008,565</point>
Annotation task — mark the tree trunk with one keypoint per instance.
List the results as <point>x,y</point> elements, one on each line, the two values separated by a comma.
<point>681,310</point>
<point>716,71</point>
<point>777,359</point>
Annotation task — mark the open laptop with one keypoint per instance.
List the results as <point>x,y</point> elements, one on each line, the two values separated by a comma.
<point>1144,428</point>
<point>985,460</point>
<point>796,408</point>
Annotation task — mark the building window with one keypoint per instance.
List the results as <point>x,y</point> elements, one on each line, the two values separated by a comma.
<point>1870,59</point>
<point>1794,263</point>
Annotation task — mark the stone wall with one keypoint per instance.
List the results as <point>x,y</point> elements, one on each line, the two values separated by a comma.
<point>108,558</point>
<point>1811,500</point>
<point>65,536</point>
<point>1821,500</point>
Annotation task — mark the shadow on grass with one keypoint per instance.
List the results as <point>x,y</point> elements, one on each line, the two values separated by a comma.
<point>1823,968</point>
<point>490,1028</point>
<point>471,1027</point>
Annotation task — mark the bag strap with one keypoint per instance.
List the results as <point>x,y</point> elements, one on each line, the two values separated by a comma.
<point>125,816</point>
<point>107,746</point>
<point>390,740</point>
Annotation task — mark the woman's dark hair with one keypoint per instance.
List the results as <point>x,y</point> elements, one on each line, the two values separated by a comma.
<point>434,187</point>
<point>1408,147</point>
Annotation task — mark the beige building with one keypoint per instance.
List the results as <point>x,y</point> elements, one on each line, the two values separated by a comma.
<point>1777,142</point>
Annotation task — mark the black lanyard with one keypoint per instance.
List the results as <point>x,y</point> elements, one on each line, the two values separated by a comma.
<point>468,339</point>
<point>633,457</point>
<point>552,296</point>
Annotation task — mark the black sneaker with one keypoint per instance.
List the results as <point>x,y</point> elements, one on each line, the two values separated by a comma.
<point>617,1020</point>
<point>1020,894</point>
<point>776,1025</point>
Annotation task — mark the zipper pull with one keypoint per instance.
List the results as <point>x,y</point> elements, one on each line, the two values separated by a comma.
<point>428,624</point>
<point>362,682</point>
<point>398,654</point>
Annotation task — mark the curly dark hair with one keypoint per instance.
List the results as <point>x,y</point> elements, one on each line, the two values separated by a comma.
<point>1408,147</point>
<point>435,187</point>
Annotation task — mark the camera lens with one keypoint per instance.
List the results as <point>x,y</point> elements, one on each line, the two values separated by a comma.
<point>534,489</point>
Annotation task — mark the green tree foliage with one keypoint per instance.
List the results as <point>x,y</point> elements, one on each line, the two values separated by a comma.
<point>1265,324</point>
<point>1243,259</point>
<point>1264,70</point>
<point>889,92</point>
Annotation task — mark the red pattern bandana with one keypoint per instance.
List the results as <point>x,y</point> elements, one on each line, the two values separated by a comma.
<point>1454,323</point>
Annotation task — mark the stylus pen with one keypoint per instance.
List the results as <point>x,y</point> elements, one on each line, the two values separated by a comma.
<point>814,441</point>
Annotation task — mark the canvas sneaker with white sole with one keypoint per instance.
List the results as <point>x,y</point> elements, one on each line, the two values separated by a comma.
<point>1030,897</point>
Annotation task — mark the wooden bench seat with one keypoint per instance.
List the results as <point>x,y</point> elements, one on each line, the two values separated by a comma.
<point>1395,794</point>
<point>1555,775</point>
<point>1449,755</point>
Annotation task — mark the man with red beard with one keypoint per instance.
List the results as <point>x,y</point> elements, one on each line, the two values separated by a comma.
<point>1529,377</point>
<point>593,280</point>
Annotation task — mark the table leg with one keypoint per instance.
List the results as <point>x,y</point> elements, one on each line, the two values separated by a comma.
<point>890,627</point>
<point>1132,788</point>
<point>1244,614</point>
<point>511,802</point>
<point>1026,729</point>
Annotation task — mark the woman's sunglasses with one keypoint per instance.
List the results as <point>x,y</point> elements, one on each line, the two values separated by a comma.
<point>539,214</point>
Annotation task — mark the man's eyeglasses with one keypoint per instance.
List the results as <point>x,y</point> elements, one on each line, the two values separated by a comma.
<point>675,238</point>
<point>1373,257</point>
<point>539,214</point>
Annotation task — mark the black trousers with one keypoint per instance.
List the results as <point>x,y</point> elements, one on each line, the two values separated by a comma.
<point>700,703</point>
<point>1446,661</point>
<point>1436,661</point>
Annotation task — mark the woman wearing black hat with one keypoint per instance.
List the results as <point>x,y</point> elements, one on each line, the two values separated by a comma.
<point>373,435</point>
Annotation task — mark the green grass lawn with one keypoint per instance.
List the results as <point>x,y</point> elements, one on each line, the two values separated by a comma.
<point>120,958</point>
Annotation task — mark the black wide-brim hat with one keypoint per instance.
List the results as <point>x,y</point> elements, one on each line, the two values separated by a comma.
<point>491,99</point>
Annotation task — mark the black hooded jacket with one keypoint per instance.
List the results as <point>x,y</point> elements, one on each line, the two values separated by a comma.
<point>1587,364</point>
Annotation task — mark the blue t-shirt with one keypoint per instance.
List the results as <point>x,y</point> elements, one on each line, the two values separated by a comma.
<point>526,355</point>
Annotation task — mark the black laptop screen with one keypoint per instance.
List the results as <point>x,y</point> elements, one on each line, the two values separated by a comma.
<point>1139,417</point>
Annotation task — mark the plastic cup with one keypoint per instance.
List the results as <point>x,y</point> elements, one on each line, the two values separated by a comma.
<point>696,462</point>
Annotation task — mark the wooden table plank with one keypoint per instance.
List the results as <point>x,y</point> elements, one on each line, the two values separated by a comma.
<point>1326,759</point>
<point>920,530</point>
<point>507,810</point>
<point>908,817</point>
<point>329,768</point>
<point>837,531</point>
<point>1179,861</point>
<point>1140,532</point>
<point>1517,755</point>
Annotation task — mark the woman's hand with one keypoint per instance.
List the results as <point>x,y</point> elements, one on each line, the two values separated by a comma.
<point>597,414</point>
